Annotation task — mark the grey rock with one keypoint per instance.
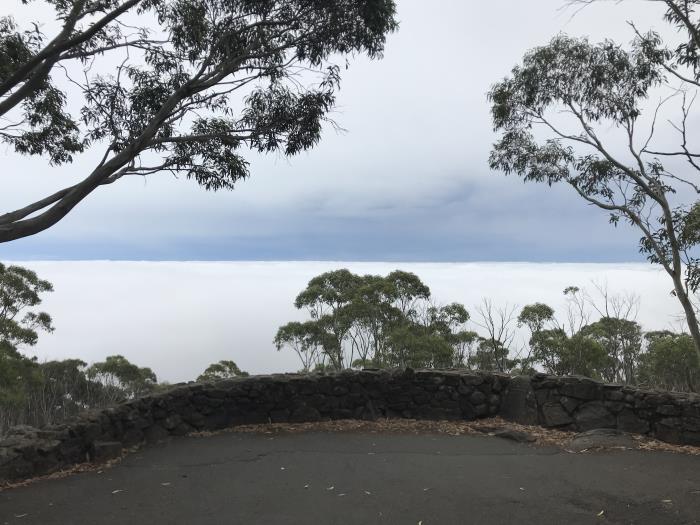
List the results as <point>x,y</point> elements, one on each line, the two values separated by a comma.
<point>554,415</point>
<point>615,395</point>
<point>477,398</point>
<point>172,421</point>
<point>594,415</point>
<point>602,438</point>
<point>628,421</point>
<point>515,435</point>
<point>580,388</point>
<point>304,414</point>
<point>155,433</point>
<point>518,403</point>
<point>569,403</point>
<point>105,450</point>
<point>668,410</point>
<point>669,429</point>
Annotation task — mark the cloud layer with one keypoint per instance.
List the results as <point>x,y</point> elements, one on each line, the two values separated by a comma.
<point>178,317</point>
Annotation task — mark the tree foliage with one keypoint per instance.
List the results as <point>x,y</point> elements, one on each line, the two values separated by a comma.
<point>222,370</point>
<point>20,290</point>
<point>199,83</point>
<point>555,113</point>
<point>118,375</point>
<point>376,321</point>
<point>670,362</point>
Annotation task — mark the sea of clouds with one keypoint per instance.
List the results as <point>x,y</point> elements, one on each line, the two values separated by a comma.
<point>178,317</point>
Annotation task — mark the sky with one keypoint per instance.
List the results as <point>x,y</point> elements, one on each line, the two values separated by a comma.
<point>407,181</point>
<point>406,185</point>
<point>178,317</point>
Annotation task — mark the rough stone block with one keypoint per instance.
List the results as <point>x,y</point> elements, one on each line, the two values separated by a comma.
<point>518,403</point>
<point>155,433</point>
<point>669,429</point>
<point>580,388</point>
<point>477,398</point>
<point>105,450</point>
<point>554,415</point>
<point>594,415</point>
<point>569,403</point>
<point>304,414</point>
<point>628,421</point>
<point>668,410</point>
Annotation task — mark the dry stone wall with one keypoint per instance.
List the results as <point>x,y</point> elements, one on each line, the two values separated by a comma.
<point>579,403</point>
<point>570,403</point>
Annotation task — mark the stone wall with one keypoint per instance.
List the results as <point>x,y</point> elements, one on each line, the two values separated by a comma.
<point>571,403</point>
<point>579,403</point>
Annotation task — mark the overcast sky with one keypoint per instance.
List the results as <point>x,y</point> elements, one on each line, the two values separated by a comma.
<point>408,181</point>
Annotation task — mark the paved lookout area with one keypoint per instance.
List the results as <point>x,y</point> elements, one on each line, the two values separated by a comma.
<point>339,478</point>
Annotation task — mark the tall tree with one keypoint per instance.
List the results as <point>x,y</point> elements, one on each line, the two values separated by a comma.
<point>495,347</point>
<point>669,362</point>
<point>303,338</point>
<point>122,378</point>
<point>20,290</point>
<point>327,297</point>
<point>555,113</point>
<point>621,340</point>
<point>535,316</point>
<point>224,369</point>
<point>197,83</point>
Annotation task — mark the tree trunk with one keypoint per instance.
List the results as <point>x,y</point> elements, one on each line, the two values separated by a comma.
<point>689,311</point>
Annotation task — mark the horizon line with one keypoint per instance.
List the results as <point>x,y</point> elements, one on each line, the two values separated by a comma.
<point>354,261</point>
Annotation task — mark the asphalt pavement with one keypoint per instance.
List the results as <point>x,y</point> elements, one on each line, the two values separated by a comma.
<point>355,478</point>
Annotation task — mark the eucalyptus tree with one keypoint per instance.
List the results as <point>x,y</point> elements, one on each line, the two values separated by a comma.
<point>535,317</point>
<point>375,321</point>
<point>174,86</point>
<point>304,339</point>
<point>224,369</point>
<point>621,339</point>
<point>577,113</point>
<point>373,314</point>
<point>20,291</point>
<point>121,379</point>
<point>406,291</point>
<point>450,324</point>
<point>669,362</point>
<point>327,298</point>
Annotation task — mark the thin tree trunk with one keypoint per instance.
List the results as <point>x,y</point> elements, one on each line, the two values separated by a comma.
<point>689,311</point>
